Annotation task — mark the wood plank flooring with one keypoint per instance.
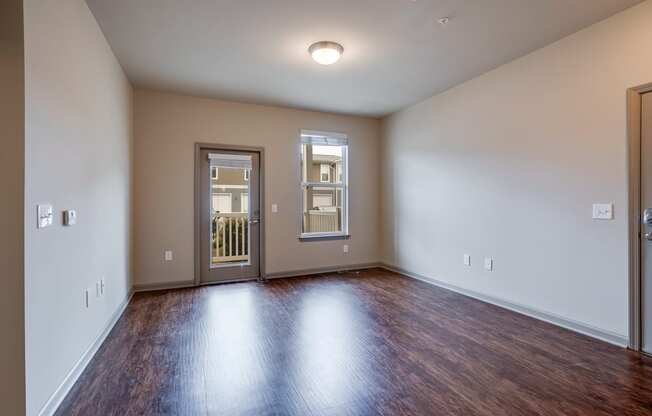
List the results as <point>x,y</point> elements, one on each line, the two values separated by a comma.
<point>367,343</point>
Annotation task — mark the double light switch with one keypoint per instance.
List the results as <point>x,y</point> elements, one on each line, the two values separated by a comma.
<point>45,215</point>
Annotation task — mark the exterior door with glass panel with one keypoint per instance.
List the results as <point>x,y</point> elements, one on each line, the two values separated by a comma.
<point>230,216</point>
<point>646,231</point>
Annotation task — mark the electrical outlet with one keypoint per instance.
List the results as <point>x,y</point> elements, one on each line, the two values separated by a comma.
<point>488,264</point>
<point>467,259</point>
<point>168,255</point>
<point>345,248</point>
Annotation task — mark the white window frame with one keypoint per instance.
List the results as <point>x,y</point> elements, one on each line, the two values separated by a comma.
<point>325,139</point>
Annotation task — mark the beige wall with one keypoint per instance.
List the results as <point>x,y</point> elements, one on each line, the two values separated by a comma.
<point>509,164</point>
<point>166,128</point>
<point>78,138</point>
<point>12,168</point>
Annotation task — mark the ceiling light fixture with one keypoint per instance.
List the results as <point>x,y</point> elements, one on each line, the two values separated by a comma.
<point>325,52</point>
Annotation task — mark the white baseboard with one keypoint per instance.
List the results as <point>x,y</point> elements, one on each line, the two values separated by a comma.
<point>69,381</point>
<point>320,270</point>
<point>582,328</point>
<point>149,287</point>
<point>181,284</point>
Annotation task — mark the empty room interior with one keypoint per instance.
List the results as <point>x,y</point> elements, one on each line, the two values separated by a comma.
<point>351,207</point>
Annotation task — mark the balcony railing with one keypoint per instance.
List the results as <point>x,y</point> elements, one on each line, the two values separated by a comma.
<point>230,237</point>
<point>321,221</point>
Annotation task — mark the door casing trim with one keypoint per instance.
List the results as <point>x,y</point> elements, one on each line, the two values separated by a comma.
<point>261,249</point>
<point>634,101</point>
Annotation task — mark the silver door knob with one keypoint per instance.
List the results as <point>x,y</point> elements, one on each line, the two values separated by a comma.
<point>648,236</point>
<point>647,216</point>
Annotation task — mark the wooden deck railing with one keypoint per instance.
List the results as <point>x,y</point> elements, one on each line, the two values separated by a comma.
<point>230,237</point>
<point>321,221</point>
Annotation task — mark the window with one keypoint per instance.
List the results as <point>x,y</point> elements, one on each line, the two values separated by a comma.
<point>322,201</point>
<point>324,184</point>
<point>222,203</point>
<point>244,202</point>
<point>324,173</point>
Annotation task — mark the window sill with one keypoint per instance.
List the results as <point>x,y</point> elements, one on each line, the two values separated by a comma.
<point>324,236</point>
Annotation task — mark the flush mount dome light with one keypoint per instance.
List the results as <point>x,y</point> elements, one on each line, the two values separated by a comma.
<point>326,53</point>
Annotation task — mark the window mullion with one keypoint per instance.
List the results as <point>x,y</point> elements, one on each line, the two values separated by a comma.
<point>322,185</point>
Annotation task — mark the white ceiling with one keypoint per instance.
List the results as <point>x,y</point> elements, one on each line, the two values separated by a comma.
<point>395,52</point>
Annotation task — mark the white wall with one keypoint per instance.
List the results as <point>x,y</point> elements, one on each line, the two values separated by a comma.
<point>508,165</point>
<point>12,168</point>
<point>167,126</point>
<point>78,139</point>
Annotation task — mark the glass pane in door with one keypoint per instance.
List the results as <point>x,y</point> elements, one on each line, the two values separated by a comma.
<point>229,215</point>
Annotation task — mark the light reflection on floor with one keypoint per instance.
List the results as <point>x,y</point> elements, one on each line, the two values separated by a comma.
<point>316,364</point>
<point>348,344</point>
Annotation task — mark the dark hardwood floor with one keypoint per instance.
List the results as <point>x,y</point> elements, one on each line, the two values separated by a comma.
<point>373,343</point>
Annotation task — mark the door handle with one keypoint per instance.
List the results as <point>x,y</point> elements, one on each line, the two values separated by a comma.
<point>648,236</point>
<point>647,216</point>
<point>254,221</point>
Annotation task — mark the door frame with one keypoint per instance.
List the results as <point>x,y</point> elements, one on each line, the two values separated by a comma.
<point>634,104</point>
<point>197,211</point>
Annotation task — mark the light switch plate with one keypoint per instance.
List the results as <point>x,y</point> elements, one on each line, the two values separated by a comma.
<point>274,208</point>
<point>488,264</point>
<point>467,260</point>
<point>45,215</point>
<point>168,255</point>
<point>345,248</point>
<point>603,211</point>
